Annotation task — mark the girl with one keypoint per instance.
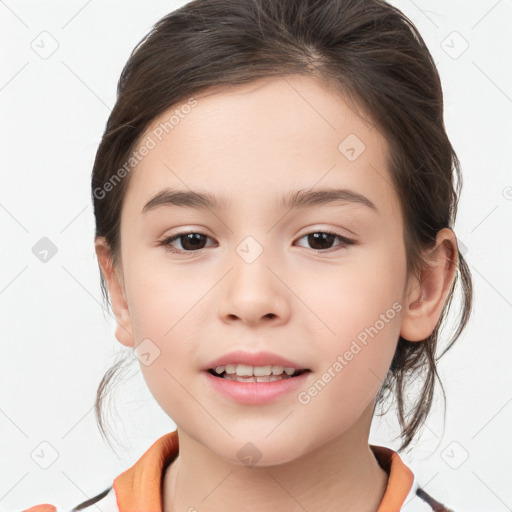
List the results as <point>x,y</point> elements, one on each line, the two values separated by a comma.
<point>274,198</point>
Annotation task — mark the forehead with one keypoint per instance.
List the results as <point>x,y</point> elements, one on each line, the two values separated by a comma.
<point>257,141</point>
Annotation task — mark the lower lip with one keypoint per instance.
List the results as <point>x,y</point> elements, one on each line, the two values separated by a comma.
<point>255,393</point>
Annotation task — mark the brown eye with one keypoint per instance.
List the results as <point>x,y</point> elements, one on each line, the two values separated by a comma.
<point>189,242</point>
<point>323,240</point>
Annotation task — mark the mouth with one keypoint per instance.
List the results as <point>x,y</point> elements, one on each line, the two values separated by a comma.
<point>244,373</point>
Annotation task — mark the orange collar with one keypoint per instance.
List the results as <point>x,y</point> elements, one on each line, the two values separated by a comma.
<point>400,478</point>
<point>138,489</point>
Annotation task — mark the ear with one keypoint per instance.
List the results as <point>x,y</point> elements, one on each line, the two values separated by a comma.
<point>115,285</point>
<point>428,293</point>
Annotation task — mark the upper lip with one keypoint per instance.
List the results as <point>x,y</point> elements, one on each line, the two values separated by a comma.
<point>253,359</point>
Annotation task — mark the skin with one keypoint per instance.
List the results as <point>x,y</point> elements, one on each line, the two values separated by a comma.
<point>253,143</point>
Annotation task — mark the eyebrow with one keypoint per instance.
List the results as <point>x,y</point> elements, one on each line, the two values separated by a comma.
<point>295,199</point>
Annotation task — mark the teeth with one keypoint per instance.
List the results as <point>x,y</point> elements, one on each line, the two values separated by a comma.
<point>277,370</point>
<point>265,378</point>
<point>243,370</point>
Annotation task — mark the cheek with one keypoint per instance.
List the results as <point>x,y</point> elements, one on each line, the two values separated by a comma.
<point>165,305</point>
<point>351,296</point>
<point>162,295</point>
<point>165,322</point>
<point>360,306</point>
<point>353,366</point>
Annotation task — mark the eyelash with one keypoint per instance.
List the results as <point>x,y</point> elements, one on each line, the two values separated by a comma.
<point>344,242</point>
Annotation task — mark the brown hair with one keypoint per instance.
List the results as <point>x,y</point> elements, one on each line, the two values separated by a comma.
<point>370,52</point>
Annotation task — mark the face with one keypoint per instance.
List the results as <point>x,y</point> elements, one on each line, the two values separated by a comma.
<point>320,282</point>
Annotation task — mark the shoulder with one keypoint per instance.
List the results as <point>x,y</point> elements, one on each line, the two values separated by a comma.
<point>418,500</point>
<point>431,502</point>
<point>106,501</point>
<point>403,492</point>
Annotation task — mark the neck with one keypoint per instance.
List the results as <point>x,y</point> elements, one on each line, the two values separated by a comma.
<point>342,474</point>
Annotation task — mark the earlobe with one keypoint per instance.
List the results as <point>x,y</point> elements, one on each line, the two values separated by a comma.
<point>124,331</point>
<point>428,293</point>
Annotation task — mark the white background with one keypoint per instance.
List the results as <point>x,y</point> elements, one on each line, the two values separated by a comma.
<point>57,342</point>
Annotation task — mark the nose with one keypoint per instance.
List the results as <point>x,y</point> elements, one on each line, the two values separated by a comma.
<point>254,293</point>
